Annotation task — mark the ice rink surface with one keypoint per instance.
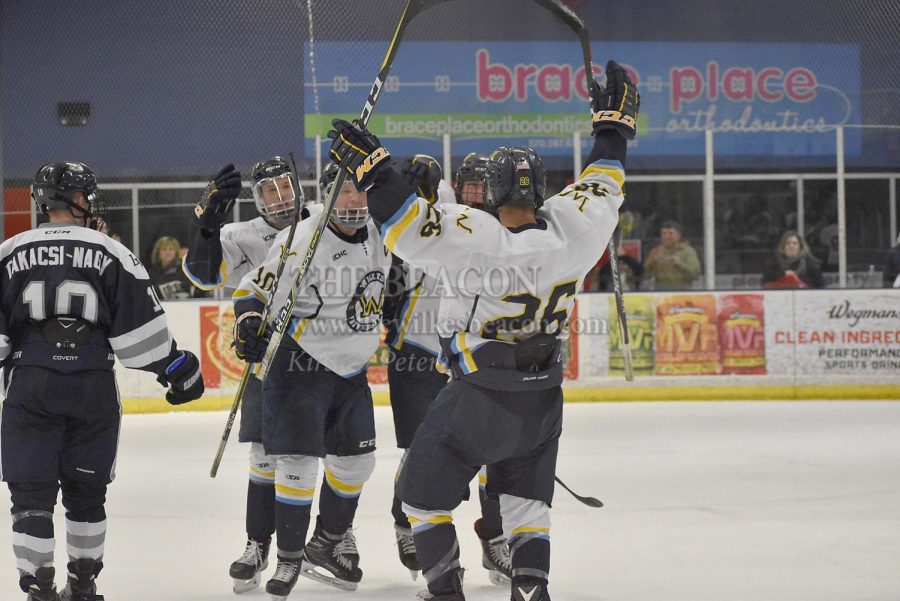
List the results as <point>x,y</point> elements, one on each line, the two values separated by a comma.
<point>738,501</point>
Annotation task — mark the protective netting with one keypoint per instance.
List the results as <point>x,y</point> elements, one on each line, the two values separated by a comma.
<point>163,93</point>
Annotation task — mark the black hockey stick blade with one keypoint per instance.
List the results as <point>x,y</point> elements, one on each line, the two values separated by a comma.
<point>589,501</point>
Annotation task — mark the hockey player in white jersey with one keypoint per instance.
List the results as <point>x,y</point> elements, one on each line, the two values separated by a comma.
<point>501,329</point>
<point>413,376</point>
<point>220,256</point>
<point>316,399</point>
<point>73,299</point>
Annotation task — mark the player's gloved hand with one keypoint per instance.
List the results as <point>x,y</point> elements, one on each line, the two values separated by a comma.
<point>214,207</point>
<point>358,151</point>
<point>248,344</point>
<point>423,173</point>
<point>184,379</point>
<point>616,106</point>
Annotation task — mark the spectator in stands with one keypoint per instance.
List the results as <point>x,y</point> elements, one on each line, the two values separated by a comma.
<point>673,264</point>
<point>793,266</point>
<point>892,267</point>
<point>165,271</point>
<point>599,279</point>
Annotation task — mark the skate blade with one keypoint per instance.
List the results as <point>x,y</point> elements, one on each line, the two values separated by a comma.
<point>414,574</point>
<point>278,597</point>
<point>309,570</point>
<point>498,578</point>
<point>242,586</point>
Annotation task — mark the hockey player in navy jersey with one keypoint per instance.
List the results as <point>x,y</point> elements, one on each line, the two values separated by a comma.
<point>73,299</point>
<point>501,334</point>
<point>316,399</point>
<point>414,379</point>
<point>220,255</point>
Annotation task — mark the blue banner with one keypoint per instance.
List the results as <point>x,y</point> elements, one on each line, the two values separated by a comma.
<point>761,99</point>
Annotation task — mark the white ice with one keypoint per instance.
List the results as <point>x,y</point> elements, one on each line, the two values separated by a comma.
<point>740,501</point>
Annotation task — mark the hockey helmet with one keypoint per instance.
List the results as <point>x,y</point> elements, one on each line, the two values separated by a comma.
<point>274,192</point>
<point>55,186</point>
<point>349,217</point>
<point>516,176</point>
<point>471,180</point>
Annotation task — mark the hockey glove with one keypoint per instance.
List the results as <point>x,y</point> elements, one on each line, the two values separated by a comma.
<point>616,105</point>
<point>357,151</point>
<point>212,211</point>
<point>248,344</point>
<point>424,174</point>
<point>184,378</point>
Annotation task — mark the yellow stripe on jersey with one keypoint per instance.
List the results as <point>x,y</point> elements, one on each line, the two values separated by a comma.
<point>242,293</point>
<point>610,169</point>
<point>297,329</point>
<point>203,286</point>
<point>396,230</point>
<point>409,311</point>
<point>466,353</point>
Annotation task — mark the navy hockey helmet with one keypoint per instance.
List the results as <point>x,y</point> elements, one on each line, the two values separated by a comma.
<point>55,186</point>
<point>429,174</point>
<point>274,191</point>
<point>353,218</point>
<point>471,180</point>
<point>516,176</point>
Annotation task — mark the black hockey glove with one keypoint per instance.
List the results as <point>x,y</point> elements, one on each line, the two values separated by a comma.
<point>423,174</point>
<point>184,379</point>
<point>357,151</point>
<point>212,211</point>
<point>616,106</point>
<point>248,344</point>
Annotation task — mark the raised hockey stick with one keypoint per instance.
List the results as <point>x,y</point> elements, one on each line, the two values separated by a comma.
<point>248,368</point>
<point>413,8</point>
<point>568,16</point>
<point>589,501</point>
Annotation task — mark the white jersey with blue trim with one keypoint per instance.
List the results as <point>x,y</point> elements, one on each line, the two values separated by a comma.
<point>417,318</point>
<point>505,284</point>
<point>337,316</point>
<point>244,248</point>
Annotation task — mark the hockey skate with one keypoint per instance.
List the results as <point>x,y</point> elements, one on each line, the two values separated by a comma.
<point>40,585</point>
<point>81,585</point>
<point>407,549</point>
<point>247,571</point>
<point>495,557</point>
<point>281,584</point>
<point>332,561</point>
<point>456,595</point>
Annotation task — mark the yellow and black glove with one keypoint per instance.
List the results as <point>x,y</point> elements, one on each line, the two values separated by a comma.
<point>617,104</point>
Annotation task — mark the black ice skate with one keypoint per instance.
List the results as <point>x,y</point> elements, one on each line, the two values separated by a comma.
<point>281,584</point>
<point>247,570</point>
<point>40,585</point>
<point>407,549</point>
<point>81,585</point>
<point>332,560</point>
<point>456,595</point>
<point>495,557</point>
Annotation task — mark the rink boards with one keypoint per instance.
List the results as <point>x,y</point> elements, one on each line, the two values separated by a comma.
<point>826,344</point>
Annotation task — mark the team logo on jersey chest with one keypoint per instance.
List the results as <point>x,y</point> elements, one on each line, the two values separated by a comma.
<point>364,310</point>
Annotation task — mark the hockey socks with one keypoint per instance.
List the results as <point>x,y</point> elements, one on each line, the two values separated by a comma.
<point>437,550</point>
<point>295,482</point>
<point>491,522</point>
<point>341,488</point>
<point>260,510</point>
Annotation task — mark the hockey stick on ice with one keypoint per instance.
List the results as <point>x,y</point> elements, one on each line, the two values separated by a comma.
<point>589,501</point>
<point>413,8</point>
<point>567,16</point>
<point>248,369</point>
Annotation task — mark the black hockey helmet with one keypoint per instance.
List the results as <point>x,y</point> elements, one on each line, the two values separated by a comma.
<point>55,186</point>
<point>274,190</point>
<point>329,174</point>
<point>472,169</point>
<point>516,176</point>
<point>427,171</point>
